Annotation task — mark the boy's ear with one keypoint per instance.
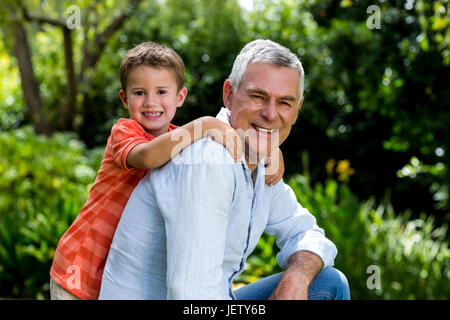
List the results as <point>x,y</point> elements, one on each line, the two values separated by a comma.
<point>227,94</point>
<point>123,98</point>
<point>181,96</point>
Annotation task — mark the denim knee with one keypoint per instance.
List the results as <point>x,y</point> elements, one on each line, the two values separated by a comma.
<point>329,284</point>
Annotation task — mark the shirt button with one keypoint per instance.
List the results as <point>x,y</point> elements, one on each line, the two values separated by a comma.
<point>249,187</point>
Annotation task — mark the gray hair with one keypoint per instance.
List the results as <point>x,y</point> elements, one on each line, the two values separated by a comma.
<point>265,51</point>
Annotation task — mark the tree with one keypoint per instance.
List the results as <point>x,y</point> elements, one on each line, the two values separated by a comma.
<point>16,15</point>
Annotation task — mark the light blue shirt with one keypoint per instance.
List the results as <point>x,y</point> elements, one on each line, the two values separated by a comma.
<point>190,225</point>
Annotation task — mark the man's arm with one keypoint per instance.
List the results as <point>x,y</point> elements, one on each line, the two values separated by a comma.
<point>304,248</point>
<point>161,149</point>
<point>303,266</point>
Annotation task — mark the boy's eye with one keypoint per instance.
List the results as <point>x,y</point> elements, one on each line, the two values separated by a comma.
<point>139,93</point>
<point>162,91</point>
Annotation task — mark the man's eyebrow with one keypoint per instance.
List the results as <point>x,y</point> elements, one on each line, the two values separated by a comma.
<point>264,93</point>
<point>256,90</point>
<point>288,98</point>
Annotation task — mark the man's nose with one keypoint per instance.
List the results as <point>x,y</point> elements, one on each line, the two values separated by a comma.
<point>269,112</point>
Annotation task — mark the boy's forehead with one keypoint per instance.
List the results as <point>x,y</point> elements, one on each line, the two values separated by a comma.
<point>146,73</point>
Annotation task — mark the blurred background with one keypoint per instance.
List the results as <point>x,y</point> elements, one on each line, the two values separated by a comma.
<point>368,156</point>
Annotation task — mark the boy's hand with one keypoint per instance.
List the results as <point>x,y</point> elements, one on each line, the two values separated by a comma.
<point>274,167</point>
<point>224,134</point>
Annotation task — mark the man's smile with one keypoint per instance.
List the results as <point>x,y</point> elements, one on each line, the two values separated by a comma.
<point>263,130</point>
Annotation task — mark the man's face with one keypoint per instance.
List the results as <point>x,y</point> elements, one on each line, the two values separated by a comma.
<point>264,107</point>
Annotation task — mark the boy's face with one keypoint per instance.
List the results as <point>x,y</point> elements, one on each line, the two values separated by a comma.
<point>152,98</point>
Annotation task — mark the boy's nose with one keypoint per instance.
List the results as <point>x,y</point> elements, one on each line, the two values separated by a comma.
<point>151,101</point>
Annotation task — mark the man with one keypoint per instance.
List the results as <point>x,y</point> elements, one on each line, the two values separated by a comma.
<point>189,226</point>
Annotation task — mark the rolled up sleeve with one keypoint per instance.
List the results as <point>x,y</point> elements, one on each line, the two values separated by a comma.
<point>295,229</point>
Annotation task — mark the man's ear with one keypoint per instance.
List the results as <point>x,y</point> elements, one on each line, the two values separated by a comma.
<point>227,94</point>
<point>123,98</point>
<point>300,103</point>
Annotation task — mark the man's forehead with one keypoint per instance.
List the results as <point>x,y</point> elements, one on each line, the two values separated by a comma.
<point>271,79</point>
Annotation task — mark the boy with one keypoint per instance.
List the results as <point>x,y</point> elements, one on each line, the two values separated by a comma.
<point>152,79</point>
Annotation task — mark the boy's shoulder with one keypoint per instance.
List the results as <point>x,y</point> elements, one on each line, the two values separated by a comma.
<point>130,124</point>
<point>125,131</point>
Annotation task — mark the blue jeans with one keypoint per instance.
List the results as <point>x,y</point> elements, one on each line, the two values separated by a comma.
<point>329,284</point>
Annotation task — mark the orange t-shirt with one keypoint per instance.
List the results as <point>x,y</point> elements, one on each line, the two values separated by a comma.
<point>82,251</point>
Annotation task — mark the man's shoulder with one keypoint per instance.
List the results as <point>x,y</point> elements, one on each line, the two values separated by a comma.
<point>204,162</point>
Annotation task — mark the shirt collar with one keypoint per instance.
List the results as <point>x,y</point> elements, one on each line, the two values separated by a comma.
<point>224,115</point>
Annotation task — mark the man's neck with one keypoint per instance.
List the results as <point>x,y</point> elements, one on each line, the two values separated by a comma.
<point>253,164</point>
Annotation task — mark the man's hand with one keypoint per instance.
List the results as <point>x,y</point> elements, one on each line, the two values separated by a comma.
<point>303,266</point>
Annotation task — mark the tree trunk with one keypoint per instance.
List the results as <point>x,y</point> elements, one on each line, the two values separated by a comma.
<point>68,112</point>
<point>30,86</point>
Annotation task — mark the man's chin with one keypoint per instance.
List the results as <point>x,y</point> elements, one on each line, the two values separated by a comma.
<point>254,157</point>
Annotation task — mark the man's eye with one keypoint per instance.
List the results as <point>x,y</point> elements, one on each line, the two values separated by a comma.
<point>254,96</point>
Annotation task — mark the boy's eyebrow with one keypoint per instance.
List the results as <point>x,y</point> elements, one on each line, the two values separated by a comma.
<point>159,87</point>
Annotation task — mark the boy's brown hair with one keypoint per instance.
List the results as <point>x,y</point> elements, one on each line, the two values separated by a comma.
<point>154,55</point>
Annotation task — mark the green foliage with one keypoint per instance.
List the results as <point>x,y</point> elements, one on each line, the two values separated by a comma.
<point>12,110</point>
<point>412,255</point>
<point>43,184</point>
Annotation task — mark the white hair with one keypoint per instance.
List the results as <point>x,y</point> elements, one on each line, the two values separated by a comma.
<point>265,51</point>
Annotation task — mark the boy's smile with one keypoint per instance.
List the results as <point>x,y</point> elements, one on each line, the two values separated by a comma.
<point>152,97</point>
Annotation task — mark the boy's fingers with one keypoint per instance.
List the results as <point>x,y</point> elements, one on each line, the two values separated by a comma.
<point>233,144</point>
<point>232,147</point>
<point>238,147</point>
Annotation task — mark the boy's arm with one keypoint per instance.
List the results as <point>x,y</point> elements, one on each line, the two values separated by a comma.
<point>161,149</point>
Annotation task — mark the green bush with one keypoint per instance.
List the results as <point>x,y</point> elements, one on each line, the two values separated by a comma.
<point>43,184</point>
<point>412,256</point>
